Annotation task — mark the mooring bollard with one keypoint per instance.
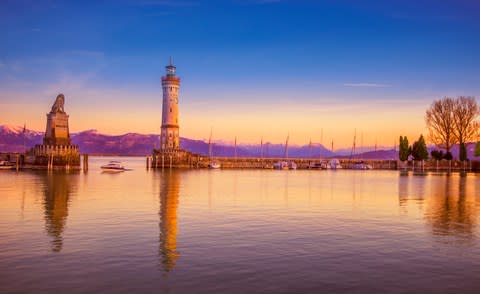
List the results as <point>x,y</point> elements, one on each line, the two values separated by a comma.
<point>85,162</point>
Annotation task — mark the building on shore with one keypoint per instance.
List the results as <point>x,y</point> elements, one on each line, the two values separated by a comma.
<point>57,150</point>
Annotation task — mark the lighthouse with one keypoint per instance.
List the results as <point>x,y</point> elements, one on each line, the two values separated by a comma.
<point>170,135</point>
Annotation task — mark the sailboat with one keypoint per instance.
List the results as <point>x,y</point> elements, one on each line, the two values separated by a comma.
<point>334,163</point>
<point>359,164</point>
<point>213,164</point>
<point>284,164</point>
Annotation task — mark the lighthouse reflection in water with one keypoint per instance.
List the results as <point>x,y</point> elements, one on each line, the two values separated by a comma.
<point>169,194</point>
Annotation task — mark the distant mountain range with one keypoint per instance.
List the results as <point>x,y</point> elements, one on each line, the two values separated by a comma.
<point>12,139</point>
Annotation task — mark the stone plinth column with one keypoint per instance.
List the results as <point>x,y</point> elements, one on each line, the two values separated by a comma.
<point>57,132</point>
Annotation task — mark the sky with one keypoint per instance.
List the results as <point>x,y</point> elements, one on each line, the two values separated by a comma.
<point>313,70</point>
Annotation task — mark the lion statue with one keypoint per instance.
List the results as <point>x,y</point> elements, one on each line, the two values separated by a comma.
<point>58,105</point>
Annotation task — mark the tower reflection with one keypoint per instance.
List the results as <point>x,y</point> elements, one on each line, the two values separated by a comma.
<point>169,197</point>
<point>57,188</point>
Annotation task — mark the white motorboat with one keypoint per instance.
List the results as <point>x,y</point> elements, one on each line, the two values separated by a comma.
<point>361,165</point>
<point>334,164</point>
<point>280,165</point>
<point>284,165</point>
<point>292,165</point>
<point>214,165</point>
<point>6,165</point>
<point>113,166</point>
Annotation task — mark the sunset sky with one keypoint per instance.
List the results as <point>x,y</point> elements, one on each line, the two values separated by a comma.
<point>249,68</point>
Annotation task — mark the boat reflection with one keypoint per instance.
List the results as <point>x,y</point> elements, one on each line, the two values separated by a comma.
<point>57,188</point>
<point>169,198</point>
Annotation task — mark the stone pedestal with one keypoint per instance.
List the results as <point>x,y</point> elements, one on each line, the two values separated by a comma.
<point>57,151</point>
<point>57,132</point>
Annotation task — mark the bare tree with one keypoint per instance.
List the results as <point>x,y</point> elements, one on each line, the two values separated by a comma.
<point>465,112</point>
<point>440,123</point>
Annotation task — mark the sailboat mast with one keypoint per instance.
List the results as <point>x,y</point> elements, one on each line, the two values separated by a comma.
<point>352,154</point>
<point>321,144</point>
<point>210,143</point>
<point>285,154</point>
<point>235,147</point>
<point>310,149</point>
<point>261,147</point>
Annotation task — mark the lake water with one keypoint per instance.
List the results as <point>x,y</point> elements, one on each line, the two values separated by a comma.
<point>238,231</point>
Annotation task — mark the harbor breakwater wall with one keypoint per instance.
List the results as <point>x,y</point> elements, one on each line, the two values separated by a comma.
<point>188,160</point>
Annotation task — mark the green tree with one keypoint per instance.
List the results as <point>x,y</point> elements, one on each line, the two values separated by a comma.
<point>419,149</point>
<point>437,154</point>
<point>477,149</point>
<point>403,151</point>
<point>448,156</point>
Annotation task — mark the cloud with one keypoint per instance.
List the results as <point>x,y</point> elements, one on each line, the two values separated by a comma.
<point>366,85</point>
<point>35,30</point>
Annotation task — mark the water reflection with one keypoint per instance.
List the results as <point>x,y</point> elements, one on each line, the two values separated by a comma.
<point>169,196</point>
<point>57,188</point>
<point>451,208</point>
<point>411,190</point>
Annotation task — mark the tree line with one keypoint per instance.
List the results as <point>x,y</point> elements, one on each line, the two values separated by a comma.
<point>449,121</point>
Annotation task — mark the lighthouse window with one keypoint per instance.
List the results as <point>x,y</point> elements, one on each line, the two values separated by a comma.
<point>170,109</point>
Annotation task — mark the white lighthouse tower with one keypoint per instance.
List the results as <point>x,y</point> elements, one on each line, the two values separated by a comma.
<point>170,135</point>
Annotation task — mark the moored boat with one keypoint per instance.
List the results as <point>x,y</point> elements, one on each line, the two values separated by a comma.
<point>361,165</point>
<point>113,166</point>
<point>4,165</point>
<point>214,164</point>
<point>280,165</point>
<point>292,165</point>
<point>284,165</point>
<point>334,164</point>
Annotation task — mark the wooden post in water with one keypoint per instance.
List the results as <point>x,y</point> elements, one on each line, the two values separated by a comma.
<point>85,162</point>
<point>163,161</point>
<point>147,162</point>
<point>17,163</point>
<point>170,161</point>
